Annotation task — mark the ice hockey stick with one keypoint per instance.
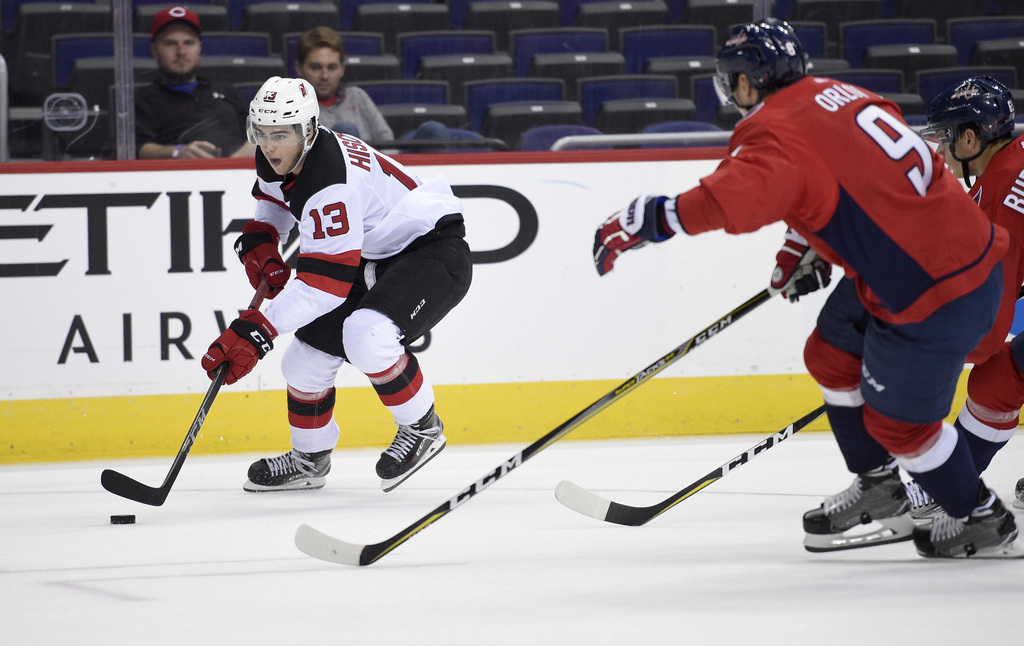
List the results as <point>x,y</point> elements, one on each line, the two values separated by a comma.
<point>590,504</point>
<point>121,485</point>
<point>319,545</point>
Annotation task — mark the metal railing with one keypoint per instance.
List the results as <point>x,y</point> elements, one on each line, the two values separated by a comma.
<point>583,142</point>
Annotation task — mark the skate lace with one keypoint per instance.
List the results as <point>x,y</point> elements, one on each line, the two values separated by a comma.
<point>918,497</point>
<point>946,527</point>
<point>844,499</point>
<point>290,463</point>
<point>406,440</point>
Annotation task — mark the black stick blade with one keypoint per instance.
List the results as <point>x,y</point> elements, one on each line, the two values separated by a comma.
<point>121,485</point>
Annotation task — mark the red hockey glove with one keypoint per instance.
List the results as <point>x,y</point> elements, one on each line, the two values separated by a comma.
<point>257,249</point>
<point>247,340</point>
<point>799,270</point>
<point>634,226</point>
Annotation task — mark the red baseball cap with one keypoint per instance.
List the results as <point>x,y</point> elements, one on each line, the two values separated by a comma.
<point>175,14</point>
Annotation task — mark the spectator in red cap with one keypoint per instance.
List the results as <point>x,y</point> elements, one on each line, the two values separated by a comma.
<point>181,115</point>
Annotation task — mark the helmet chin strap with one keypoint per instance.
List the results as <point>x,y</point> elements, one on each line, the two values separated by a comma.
<point>964,162</point>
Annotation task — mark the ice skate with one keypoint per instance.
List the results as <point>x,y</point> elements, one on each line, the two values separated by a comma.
<point>989,532</point>
<point>874,510</point>
<point>289,472</point>
<point>923,508</point>
<point>1018,494</point>
<point>414,446</point>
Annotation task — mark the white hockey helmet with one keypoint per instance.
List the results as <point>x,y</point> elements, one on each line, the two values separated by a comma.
<point>282,102</point>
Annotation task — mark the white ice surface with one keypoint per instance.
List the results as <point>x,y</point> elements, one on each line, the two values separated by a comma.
<point>216,565</point>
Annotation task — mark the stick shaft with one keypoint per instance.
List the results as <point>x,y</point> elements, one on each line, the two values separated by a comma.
<point>321,546</point>
<point>121,485</point>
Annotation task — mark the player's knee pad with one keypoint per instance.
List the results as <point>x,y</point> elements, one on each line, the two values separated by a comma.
<point>995,389</point>
<point>373,343</point>
<point>831,367</point>
<point>308,370</point>
<point>916,443</point>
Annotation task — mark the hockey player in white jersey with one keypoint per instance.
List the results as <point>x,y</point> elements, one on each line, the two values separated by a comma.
<point>382,259</point>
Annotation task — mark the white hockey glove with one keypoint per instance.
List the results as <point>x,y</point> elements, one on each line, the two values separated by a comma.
<point>799,270</point>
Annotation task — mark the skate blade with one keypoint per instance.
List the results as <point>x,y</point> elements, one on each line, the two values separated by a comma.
<point>1011,550</point>
<point>299,485</point>
<point>388,485</point>
<point>893,530</point>
<point>1018,504</point>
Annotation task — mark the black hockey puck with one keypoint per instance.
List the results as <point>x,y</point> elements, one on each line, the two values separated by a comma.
<point>128,519</point>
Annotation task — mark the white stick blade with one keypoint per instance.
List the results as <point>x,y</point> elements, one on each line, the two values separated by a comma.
<point>580,500</point>
<point>326,548</point>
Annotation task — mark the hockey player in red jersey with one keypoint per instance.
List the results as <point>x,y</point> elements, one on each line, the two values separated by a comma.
<point>382,259</point>
<point>922,286</point>
<point>973,124</point>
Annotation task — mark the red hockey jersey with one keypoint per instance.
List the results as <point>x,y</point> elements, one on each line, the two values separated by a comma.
<point>840,166</point>
<point>1000,193</point>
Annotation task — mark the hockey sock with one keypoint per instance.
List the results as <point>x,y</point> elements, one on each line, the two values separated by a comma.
<point>982,450</point>
<point>311,417</point>
<point>861,451</point>
<point>947,483</point>
<point>403,389</point>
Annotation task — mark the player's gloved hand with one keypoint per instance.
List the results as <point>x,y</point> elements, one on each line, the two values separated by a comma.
<point>799,270</point>
<point>257,249</point>
<point>641,222</point>
<point>247,340</point>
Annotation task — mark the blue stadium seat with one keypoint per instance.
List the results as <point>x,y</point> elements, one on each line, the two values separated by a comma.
<point>406,118</point>
<point>963,33</point>
<point>630,116</point>
<point>596,90</point>
<point>393,19</point>
<point>407,91</point>
<point>525,43</point>
<point>481,94</point>
<point>460,69</point>
<point>65,49</point>
<point>236,11</point>
<point>813,35</point>
<point>878,81</point>
<point>280,18</point>
<point>236,43</point>
<point>833,12</point>
<point>640,44</point>
<point>720,14</point>
<point>910,59</point>
<point>571,67</point>
<point>508,121</point>
<point>505,16</point>
<point>31,67</point>
<point>350,8</point>
<point>412,46</point>
<point>1001,51</point>
<point>543,137</point>
<point>567,10</point>
<point>938,10</point>
<point>856,36</point>
<point>702,91</point>
<point>618,14</point>
<point>683,69</point>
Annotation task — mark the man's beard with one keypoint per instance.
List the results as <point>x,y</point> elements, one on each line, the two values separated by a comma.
<point>177,78</point>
